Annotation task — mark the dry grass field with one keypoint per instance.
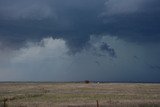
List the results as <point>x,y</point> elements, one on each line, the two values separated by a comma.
<point>79,95</point>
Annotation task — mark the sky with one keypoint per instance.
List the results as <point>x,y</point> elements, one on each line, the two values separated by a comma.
<point>77,40</point>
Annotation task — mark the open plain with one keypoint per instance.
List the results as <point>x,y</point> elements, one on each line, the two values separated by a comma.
<point>79,95</point>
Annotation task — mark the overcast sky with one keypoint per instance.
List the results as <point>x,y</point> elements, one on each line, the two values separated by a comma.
<point>76,40</point>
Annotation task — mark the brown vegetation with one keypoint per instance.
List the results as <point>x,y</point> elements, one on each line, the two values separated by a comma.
<point>79,95</point>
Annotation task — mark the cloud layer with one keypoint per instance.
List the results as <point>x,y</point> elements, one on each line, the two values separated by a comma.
<point>21,9</point>
<point>75,21</point>
<point>50,60</point>
<point>76,40</point>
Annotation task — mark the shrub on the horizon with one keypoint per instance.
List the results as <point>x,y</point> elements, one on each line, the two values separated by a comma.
<point>87,81</point>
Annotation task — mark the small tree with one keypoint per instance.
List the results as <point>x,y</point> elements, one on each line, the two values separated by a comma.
<point>87,81</point>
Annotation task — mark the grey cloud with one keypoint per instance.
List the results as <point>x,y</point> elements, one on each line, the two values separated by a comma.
<point>133,20</point>
<point>98,63</point>
<point>100,47</point>
<point>49,60</point>
<point>76,20</point>
<point>22,9</point>
<point>155,67</point>
<point>106,48</point>
<point>73,20</point>
<point>118,7</point>
<point>37,37</point>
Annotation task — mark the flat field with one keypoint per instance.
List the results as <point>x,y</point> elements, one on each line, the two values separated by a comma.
<point>79,95</point>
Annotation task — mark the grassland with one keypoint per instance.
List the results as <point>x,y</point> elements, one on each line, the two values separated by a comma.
<point>79,95</point>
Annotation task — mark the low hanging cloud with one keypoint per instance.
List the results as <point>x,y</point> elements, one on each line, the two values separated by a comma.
<point>45,49</point>
<point>106,48</point>
<point>50,60</point>
<point>46,59</point>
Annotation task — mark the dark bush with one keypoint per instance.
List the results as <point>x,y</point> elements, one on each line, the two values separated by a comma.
<point>87,81</point>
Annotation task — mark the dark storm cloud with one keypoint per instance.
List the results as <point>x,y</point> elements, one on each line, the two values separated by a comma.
<point>156,67</point>
<point>136,20</point>
<point>106,48</point>
<point>73,20</point>
<point>49,61</point>
<point>76,20</point>
<point>37,37</point>
<point>21,9</point>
